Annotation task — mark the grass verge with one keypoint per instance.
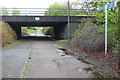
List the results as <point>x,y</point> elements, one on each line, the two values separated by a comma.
<point>62,41</point>
<point>31,31</point>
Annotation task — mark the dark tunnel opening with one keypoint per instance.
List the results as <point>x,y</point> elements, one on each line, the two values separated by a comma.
<point>59,29</point>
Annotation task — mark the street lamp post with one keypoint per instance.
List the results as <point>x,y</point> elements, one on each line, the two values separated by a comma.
<point>68,12</point>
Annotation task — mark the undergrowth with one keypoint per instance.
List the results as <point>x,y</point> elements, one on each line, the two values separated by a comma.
<point>8,35</point>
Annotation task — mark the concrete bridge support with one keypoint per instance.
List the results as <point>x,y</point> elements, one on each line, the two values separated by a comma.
<point>73,27</point>
<point>17,29</point>
<point>60,31</point>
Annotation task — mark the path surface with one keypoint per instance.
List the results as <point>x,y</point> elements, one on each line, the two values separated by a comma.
<point>13,59</point>
<point>37,34</point>
<point>45,61</point>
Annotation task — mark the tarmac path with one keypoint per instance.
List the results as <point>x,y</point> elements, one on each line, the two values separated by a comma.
<point>40,58</point>
<point>47,61</point>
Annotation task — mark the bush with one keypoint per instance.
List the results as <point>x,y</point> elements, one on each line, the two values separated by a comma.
<point>89,37</point>
<point>8,35</point>
<point>113,33</point>
<point>33,28</point>
<point>48,30</point>
<point>24,30</point>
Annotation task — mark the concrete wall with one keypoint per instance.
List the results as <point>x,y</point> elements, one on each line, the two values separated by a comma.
<point>60,31</point>
<point>17,29</point>
<point>73,27</point>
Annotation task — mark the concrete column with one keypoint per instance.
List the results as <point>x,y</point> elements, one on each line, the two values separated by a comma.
<point>61,31</point>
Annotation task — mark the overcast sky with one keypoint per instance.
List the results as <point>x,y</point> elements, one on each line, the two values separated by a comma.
<point>34,3</point>
<point>29,3</point>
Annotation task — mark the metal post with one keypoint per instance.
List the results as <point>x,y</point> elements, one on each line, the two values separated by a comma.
<point>68,11</point>
<point>105,29</point>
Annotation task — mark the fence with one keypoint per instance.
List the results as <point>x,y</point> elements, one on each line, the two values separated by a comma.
<point>43,12</point>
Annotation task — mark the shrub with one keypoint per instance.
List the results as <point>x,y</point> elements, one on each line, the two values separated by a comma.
<point>8,34</point>
<point>112,19</point>
<point>32,28</point>
<point>89,37</point>
<point>24,30</point>
<point>48,30</point>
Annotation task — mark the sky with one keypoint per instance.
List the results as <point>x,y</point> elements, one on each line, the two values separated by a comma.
<point>34,3</point>
<point>29,3</point>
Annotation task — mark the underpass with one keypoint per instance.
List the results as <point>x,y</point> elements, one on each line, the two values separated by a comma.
<point>35,57</point>
<point>59,23</point>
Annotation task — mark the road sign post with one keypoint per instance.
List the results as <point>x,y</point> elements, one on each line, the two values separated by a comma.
<point>106,29</point>
<point>105,7</point>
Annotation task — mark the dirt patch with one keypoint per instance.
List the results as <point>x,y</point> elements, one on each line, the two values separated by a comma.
<point>110,60</point>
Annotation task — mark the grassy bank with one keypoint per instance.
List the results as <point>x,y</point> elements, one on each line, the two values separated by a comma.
<point>7,34</point>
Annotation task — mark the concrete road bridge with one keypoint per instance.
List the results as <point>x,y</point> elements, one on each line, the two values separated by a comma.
<point>36,18</point>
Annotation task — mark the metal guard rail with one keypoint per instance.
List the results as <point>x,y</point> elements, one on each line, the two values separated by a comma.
<point>44,11</point>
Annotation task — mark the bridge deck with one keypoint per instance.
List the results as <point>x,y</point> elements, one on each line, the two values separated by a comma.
<point>41,18</point>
